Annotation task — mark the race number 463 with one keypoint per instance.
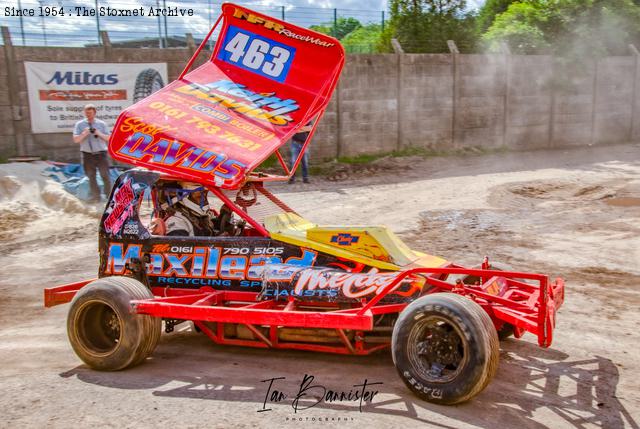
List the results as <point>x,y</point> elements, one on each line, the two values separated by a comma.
<point>258,54</point>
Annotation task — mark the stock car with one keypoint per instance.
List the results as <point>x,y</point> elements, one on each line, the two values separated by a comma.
<point>267,277</point>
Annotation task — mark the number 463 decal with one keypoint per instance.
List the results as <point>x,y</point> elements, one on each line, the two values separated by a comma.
<point>258,54</point>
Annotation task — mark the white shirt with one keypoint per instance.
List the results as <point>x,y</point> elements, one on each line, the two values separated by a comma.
<point>91,143</point>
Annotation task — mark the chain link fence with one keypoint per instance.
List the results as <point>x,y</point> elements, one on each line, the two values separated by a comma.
<point>75,23</point>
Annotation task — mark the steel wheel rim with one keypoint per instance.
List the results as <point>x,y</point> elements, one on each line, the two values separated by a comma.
<point>99,328</point>
<point>436,349</point>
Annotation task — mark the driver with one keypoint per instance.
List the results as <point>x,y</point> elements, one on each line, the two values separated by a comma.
<point>191,215</point>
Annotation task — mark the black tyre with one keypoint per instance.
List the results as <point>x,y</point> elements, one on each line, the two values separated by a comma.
<point>505,332</point>
<point>102,329</point>
<point>147,82</point>
<point>445,348</point>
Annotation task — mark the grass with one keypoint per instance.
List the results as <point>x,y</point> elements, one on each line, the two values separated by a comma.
<point>370,157</point>
<point>329,165</point>
<point>271,162</point>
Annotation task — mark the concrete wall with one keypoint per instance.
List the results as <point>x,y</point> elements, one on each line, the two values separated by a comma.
<point>426,100</point>
<point>445,102</point>
<point>386,102</point>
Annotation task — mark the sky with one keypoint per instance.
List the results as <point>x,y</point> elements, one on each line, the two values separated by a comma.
<point>77,31</point>
<point>353,4</point>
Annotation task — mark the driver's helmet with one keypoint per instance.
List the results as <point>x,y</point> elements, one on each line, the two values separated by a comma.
<point>190,196</point>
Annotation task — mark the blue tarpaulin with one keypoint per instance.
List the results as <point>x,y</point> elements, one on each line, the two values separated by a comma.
<point>74,181</point>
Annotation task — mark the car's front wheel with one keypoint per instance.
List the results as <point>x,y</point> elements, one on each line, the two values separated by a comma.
<point>445,348</point>
<point>103,330</point>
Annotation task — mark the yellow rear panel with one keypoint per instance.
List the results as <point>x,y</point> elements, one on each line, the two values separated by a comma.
<point>376,246</point>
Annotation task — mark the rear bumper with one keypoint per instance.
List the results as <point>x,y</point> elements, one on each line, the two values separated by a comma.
<point>549,306</point>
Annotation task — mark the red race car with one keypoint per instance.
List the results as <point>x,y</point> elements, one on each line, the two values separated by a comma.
<point>216,248</point>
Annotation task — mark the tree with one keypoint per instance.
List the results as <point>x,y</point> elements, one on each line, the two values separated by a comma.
<point>363,40</point>
<point>426,25</point>
<point>489,11</point>
<point>570,28</point>
<point>521,28</point>
<point>343,26</point>
<point>596,27</point>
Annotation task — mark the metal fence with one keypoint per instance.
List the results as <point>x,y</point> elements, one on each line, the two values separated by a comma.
<point>77,23</point>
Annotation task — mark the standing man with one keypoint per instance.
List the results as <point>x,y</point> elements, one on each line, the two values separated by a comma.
<point>297,141</point>
<point>92,135</point>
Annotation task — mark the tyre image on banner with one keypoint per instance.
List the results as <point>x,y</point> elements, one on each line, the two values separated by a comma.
<point>147,82</point>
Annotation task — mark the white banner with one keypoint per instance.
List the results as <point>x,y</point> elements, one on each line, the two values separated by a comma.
<point>58,91</point>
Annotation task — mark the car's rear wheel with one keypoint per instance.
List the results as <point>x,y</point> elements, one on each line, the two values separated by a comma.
<point>445,348</point>
<point>505,332</point>
<point>103,330</point>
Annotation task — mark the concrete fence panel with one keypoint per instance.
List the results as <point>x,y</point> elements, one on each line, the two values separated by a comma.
<point>480,101</point>
<point>573,92</point>
<point>386,102</point>
<point>528,102</point>
<point>368,94</point>
<point>425,101</point>
<point>613,100</point>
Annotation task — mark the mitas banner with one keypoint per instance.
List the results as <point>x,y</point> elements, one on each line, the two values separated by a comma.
<point>58,91</point>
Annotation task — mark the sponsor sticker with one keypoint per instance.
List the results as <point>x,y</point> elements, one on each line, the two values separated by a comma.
<point>257,54</point>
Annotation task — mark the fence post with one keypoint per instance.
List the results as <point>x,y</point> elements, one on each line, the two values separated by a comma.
<point>383,20</point>
<point>160,44</point>
<point>104,37</point>
<point>44,26</point>
<point>594,102</point>
<point>21,22</point>
<point>191,44</point>
<point>335,23</point>
<point>397,47</point>
<point>453,49</point>
<point>166,37</point>
<point>552,103</point>
<point>282,12</point>
<point>98,23</point>
<point>106,45</point>
<point>506,52</point>
<point>399,88</point>
<point>339,149</point>
<point>210,23</point>
<point>13,84</point>
<point>634,100</point>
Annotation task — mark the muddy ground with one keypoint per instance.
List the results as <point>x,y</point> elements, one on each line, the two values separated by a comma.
<point>571,213</point>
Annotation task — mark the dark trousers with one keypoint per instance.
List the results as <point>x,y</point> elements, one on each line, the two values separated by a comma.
<point>296,148</point>
<point>92,162</point>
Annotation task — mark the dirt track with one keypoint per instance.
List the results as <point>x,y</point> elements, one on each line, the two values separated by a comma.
<point>570,213</point>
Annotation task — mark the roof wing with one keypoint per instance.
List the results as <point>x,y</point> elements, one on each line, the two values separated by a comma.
<point>265,79</point>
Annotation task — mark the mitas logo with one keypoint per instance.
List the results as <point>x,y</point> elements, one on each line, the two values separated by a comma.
<point>83,78</point>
